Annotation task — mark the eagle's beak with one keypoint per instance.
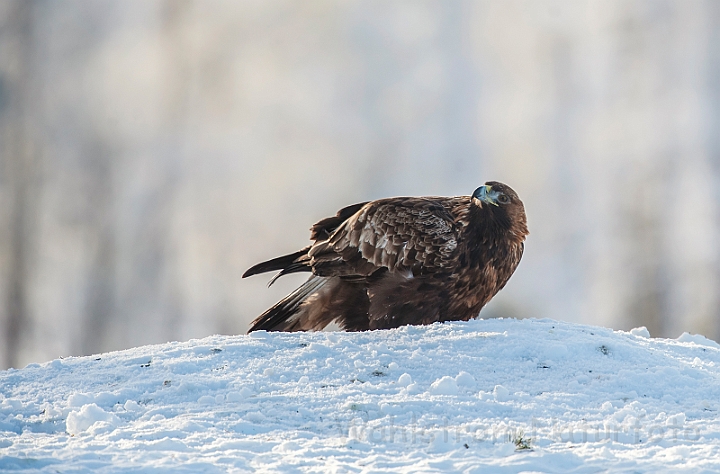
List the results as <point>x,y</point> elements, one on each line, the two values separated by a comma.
<point>486,194</point>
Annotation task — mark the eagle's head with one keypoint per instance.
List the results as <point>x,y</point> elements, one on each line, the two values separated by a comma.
<point>502,206</point>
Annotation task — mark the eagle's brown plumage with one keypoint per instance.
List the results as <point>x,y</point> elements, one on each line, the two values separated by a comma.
<point>405,260</point>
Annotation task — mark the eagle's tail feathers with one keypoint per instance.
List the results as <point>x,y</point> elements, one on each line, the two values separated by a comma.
<point>283,316</point>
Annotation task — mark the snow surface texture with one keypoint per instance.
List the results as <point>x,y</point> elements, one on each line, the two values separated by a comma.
<point>483,396</point>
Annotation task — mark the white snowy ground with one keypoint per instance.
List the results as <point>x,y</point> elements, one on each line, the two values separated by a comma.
<point>457,397</point>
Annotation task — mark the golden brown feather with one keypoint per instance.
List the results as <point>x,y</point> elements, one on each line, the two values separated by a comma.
<point>405,260</point>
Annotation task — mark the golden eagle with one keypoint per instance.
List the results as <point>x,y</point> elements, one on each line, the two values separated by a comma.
<point>404,260</point>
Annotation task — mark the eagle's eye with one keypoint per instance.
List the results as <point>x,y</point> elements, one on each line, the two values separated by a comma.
<point>503,199</point>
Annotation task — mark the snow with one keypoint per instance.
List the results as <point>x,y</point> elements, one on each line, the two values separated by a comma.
<point>486,395</point>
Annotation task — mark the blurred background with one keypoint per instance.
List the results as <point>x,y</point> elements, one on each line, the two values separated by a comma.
<point>152,150</point>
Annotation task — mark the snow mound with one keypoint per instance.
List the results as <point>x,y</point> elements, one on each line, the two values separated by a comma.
<point>88,417</point>
<point>487,395</point>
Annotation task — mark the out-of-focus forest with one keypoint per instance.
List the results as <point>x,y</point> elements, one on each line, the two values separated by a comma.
<point>152,150</point>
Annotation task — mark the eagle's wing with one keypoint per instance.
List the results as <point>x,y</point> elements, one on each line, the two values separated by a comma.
<point>408,236</point>
<point>299,261</point>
